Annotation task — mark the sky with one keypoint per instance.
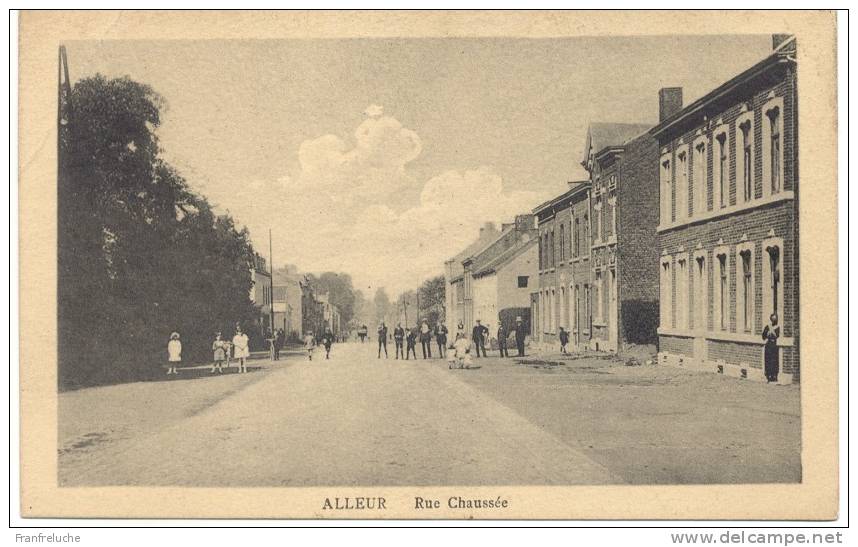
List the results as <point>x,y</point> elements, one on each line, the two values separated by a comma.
<point>381,158</point>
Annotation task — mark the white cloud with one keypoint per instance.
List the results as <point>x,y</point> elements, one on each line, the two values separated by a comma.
<point>374,111</point>
<point>321,220</point>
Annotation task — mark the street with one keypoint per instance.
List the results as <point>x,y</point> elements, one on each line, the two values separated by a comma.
<point>357,420</point>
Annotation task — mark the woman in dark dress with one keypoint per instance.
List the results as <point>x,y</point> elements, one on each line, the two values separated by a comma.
<point>771,333</point>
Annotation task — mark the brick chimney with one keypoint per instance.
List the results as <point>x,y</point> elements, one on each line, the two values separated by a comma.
<point>524,223</point>
<point>669,102</point>
<point>778,39</point>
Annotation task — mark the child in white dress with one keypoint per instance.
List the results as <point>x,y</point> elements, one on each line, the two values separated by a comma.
<point>174,353</point>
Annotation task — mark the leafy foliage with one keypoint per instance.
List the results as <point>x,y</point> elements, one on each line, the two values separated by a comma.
<point>139,254</point>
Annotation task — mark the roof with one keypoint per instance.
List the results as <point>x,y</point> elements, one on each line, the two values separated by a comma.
<point>507,256</point>
<point>784,54</point>
<point>602,135</point>
<point>576,187</point>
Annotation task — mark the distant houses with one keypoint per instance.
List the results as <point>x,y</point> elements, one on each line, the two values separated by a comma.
<point>683,239</point>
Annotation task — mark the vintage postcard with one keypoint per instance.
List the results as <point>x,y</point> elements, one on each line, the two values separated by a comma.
<point>429,265</point>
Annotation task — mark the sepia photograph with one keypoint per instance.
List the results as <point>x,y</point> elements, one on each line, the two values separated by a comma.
<point>381,265</point>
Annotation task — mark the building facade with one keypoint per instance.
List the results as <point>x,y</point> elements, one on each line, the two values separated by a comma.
<point>287,303</point>
<point>260,291</point>
<point>728,230</point>
<point>562,297</point>
<point>498,275</point>
<point>622,160</point>
<point>457,288</point>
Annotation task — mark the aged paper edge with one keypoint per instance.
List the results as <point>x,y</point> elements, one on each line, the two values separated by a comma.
<point>815,498</point>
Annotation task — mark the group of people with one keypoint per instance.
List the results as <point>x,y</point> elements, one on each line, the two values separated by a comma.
<point>406,340</point>
<point>223,350</point>
<point>326,340</point>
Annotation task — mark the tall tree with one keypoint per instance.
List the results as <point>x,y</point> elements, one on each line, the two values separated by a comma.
<point>139,254</point>
<point>382,304</point>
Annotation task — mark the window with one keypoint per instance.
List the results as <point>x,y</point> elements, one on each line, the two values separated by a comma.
<point>575,237</point>
<point>522,281</point>
<point>701,292</point>
<point>681,185</point>
<point>588,312</point>
<point>551,247</point>
<point>721,176</point>
<point>745,288</point>
<point>541,251</point>
<point>700,181</point>
<point>773,147</point>
<point>597,224</point>
<point>562,243</point>
<point>587,235</point>
<point>612,201</point>
<point>773,294</point>
<point>745,157</point>
<point>598,289</point>
<point>722,291</point>
<point>666,290</point>
<point>682,293</point>
<point>666,192</point>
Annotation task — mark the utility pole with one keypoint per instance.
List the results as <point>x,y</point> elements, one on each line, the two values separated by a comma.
<point>417,292</point>
<point>271,278</point>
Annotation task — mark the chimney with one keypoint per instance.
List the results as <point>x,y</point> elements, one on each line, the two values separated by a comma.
<point>778,39</point>
<point>524,223</point>
<point>669,102</point>
<point>487,228</point>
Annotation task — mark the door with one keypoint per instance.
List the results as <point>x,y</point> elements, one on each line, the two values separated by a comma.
<point>613,320</point>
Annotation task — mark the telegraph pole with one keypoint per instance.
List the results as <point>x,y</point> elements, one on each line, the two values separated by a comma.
<point>271,277</point>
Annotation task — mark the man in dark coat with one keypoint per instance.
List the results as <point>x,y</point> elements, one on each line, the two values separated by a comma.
<point>520,335</point>
<point>441,338</point>
<point>382,339</point>
<point>502,334</point>
<point>398,338</point>
<point>411,343</point>
<point>771,360</point>
<point>478,336</point>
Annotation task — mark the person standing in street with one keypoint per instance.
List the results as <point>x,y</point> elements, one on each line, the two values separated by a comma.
<point>502,335</point>
<point>174,353</point>
<point>478,335</point>
<point>362,332</point>
<point>327,341</point>
<point>382,339</point>
<point>441,338</point>
<point>411,343</point>
<point>460,330</point>
<point>242,349</point>
<point>309,344</point>
<point>520,335</point>
<point>398,339</point>
<point>771,357</point>
<point>279,342</point>
<point>426,339</point>
<point>219,349</point>
<point>564,339</point>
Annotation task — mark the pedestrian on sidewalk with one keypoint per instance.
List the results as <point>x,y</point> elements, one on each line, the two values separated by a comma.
<point>327,341</point>
<point>219,349</point>
<point>426,339</point>
<point>441,337</point>
<point>398,338</point>
<point>279,342</point>
<point>174,353</point>
<point>520,335</point>
<point>411,343</point>
<point>382,339</point>
<point>564,339</point>
<point>502,335</point>
<point>242,348</point>
<point>309,344</point>
<point>771,359</point>
<point>478,335</point>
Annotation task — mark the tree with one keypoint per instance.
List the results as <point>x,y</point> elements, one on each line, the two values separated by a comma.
<point>340,290</point>
<point>139,253</point>
<point>382,304</point>
<point>432,298</point>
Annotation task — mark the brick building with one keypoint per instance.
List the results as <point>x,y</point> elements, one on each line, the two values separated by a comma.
<point>622,160</point>
<point>287,301</point>
<point>728,230</point>
<point>562,296</point>
<point>260,291</point>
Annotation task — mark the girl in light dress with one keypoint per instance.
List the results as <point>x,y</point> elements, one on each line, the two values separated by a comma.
<point>242,351</point>
<point>174,353</point>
